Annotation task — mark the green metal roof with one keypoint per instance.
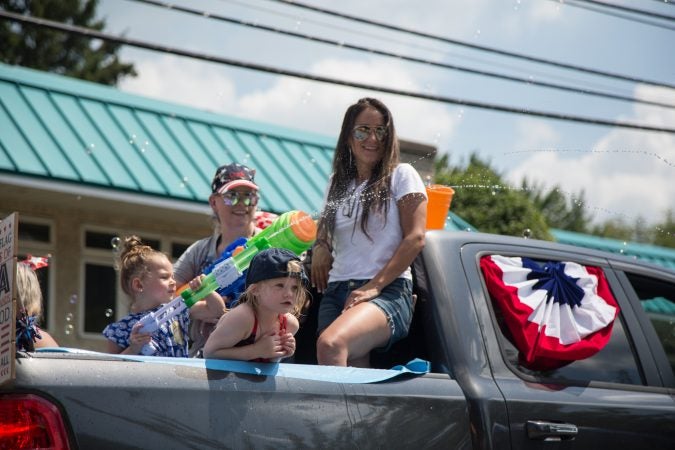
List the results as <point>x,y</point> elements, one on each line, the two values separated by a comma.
<point>61,129</point>
<point>456,223</point>
<point>657,255</point>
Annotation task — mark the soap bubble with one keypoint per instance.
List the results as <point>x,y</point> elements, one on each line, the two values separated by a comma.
<point>115,242</point>
<point>108,312</point>
<point>69,317</point>
<point>69,329</point>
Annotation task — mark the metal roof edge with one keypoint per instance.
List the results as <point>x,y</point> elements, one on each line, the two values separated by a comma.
<point>457,223</point>
<point>104,193</point>
<point>111,95</point>
<point>574,238</point>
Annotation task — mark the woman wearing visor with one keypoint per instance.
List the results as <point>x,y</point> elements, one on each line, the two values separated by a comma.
<point>370,231</point>
<point>233,201</point>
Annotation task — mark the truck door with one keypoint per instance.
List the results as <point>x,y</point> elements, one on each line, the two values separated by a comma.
<point>620,397</point>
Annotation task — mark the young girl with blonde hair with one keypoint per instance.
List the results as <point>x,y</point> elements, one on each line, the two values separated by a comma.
<point>263,324</point>
<point>146,276</point>
<point>29,335</point>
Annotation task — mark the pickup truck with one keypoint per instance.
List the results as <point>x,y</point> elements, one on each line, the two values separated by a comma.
<point>476,394</point>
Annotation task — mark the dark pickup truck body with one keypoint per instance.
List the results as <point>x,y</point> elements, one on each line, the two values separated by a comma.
<point>476,395</point>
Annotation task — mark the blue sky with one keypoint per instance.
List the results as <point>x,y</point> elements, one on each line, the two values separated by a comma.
<point>625,174</point>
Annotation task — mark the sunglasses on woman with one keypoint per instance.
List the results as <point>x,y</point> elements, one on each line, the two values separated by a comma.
<point>362,132</point>
<point>233,198</point>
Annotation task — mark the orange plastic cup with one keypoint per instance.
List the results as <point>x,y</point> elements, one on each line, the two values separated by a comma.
<point>440,198</point>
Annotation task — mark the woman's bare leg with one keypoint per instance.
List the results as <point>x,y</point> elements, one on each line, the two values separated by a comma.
<point>351,337</point>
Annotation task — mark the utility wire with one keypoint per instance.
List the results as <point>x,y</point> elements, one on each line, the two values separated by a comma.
<point>247,4</point>
<point>478,47</point>
<point>599,10</point>
<point>389,40</point>
<point>529,81</point>
<point>641,12</point>
<point>94,34</point>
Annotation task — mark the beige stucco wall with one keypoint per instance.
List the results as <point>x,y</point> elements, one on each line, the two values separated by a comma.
<point>68,214</point>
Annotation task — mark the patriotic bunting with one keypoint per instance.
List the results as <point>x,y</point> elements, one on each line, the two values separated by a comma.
<point>556,312</point>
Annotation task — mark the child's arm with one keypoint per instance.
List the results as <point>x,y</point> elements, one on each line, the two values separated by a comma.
<point>292,324</point>
<point>234,327</point>
<point>136,342</point>
<point>288,338</point>
<point>46,340</point>
<point>210,308</point>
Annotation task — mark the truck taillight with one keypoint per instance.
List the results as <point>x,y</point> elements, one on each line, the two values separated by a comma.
<point>28,421</point>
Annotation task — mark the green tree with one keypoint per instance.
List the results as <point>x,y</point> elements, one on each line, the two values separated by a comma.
<point>665,232</point>
<point>615,229</point>
<point>54,51</point>
<point>561,210</point>
<point>484,200</point>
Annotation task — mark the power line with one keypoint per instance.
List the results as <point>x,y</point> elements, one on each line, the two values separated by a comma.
<point>598,9</point>
<point>94,34</point>
<point>478,47</point>
<point>641,12</point>
<point>414,45</point>
<point>318,39</point>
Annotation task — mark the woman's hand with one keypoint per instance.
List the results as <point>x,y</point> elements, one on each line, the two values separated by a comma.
<point>322,260</point>
<point>360,295</point>
<point>196,282</point>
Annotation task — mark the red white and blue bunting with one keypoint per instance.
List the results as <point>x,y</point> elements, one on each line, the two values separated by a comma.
<point>556,312</point>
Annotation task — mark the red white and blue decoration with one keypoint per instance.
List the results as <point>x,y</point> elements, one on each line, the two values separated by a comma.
<point>263,219</point>
<point>36,262</point>
<point>556,312</point>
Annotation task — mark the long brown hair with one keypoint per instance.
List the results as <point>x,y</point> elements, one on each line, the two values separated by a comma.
<point>377,191</point>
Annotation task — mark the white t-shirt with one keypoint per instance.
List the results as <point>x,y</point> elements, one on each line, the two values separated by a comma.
<point>357,256</point>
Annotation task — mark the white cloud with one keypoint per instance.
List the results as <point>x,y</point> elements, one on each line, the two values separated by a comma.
<point>626,174</point>
<point>319,108</point>
<point>535,134</point>
<point>184,81</point>
<point>544,11</point>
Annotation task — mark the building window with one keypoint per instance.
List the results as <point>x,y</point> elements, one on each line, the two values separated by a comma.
<point>657,298</point>
<point>34,232</point>
<point>108,241</point>
<point>100,293</point>
<point>177,249</point>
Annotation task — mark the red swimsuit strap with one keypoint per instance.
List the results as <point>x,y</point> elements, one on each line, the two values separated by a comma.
<point>254,331</point>
<point>282,323</point>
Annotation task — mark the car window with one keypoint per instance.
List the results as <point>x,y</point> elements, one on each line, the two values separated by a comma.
<point>657,298</point>
<point>615,362</point>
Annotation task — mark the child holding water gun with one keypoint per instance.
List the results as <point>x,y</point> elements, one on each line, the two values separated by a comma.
<point>146,275</point>
<point>263,324</point>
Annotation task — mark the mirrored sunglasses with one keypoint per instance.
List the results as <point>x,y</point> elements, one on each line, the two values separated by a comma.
<point>362,132</point>
<point>233,198</point>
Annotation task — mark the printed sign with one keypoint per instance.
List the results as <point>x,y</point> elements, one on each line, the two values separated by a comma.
<point>8,250</point>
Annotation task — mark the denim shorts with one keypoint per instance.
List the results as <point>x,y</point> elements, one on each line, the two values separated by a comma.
<point>395,301</point>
